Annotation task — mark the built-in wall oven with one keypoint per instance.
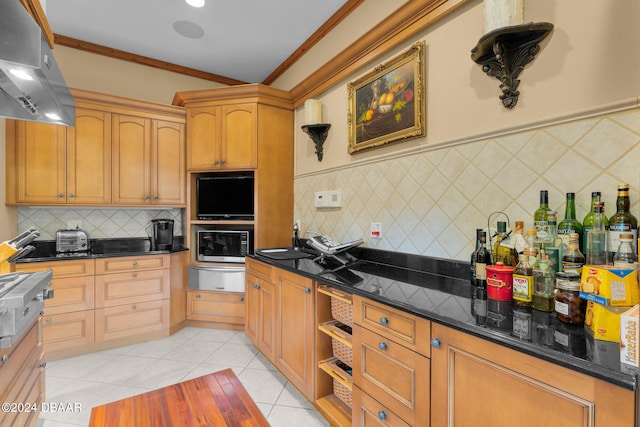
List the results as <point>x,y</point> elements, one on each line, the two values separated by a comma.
<point>216,278</point>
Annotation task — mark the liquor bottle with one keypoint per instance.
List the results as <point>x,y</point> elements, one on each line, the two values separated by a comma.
<point>483,258</point>
<point>502,253</point>
<point>573,259</point>
<point>596,253</point>
<point>544,281</point>
<point>625,256</point>
<point>473,258</point>
<point>587,222</point>
<point>523,280</point>
<point>569,224</point>
<point>540,222</point>
<point>553,244</point>
<point>621,222</point>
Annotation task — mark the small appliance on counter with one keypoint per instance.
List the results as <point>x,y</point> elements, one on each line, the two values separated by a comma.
<point>161,234</point>
<point>74,241</point>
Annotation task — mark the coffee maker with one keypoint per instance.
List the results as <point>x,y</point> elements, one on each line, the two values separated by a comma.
<point>161,234</point>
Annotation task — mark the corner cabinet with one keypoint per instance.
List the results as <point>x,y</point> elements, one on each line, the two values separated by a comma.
<point>120,140</point>
<point>473,379</point>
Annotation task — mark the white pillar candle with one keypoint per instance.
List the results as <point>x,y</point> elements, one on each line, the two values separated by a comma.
<point>502,13</point>
<point>312,112</point>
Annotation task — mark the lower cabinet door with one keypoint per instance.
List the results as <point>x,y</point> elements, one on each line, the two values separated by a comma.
<point>368,412</point>
<point>131,319</point>
<point>68,330</point>
<point>221,307</point>
<point>393,374</point>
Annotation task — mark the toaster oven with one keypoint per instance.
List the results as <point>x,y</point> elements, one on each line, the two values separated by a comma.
<point>73,240</point>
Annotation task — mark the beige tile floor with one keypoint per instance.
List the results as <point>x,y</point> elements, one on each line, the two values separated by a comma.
<point>97,378</point>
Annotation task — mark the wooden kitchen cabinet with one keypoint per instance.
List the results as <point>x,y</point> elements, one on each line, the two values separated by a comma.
<point>295,330</point>
<point>66,331</point>
<point>58,165</point>
<point>22,378</point>
<point>474,379</point>
<point>390,362</point>
<point>260,326</point>
<point>130,320</point>
<point>91,165</point>
<point>132,287</point>
<point>222,137</point>
<point>148,162</point>
<point>225,308</point>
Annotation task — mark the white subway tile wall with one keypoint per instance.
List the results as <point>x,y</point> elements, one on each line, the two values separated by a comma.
<point>99,223</point>
<point>430,203</point>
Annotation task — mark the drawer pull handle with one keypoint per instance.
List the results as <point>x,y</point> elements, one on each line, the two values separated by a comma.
<point>435,343</point>
<point>256,286</point>
<point>44,365</point>
<point>382,415</point>
<point>134,263</point>
<point>383,346</point>
<point>307,290</point>
<point>133,307</point>
<point>241,298</point>
<point>134,275</point>
<point>49,319</point>
<point>197,296</point>
<point>384,320</point>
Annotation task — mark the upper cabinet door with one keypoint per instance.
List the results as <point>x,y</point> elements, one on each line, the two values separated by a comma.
<point>203,138</point>
<point>89,158</point>
<point>239,147</point>
<point>40,154</point>
<point>168,177</point>
<point>131,140</point>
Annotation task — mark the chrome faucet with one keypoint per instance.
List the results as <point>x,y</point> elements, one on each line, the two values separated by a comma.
<point>296,236</point>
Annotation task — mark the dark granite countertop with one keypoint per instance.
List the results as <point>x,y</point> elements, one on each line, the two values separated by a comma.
<point>45,250</point>
<point>440,290</point>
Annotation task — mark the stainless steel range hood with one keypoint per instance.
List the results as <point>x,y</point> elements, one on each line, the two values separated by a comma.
<point>31,84</point>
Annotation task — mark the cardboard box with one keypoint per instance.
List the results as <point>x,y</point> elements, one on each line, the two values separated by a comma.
<point>630,336</point>
<point>607,285</point>
<point>604,321</point>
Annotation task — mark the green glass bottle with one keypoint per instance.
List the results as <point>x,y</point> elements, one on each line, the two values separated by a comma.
<point>540,222</point>
<point>501,253</point>
<point>569,224</point>
<point>620,222</point>
<point>588,221</point>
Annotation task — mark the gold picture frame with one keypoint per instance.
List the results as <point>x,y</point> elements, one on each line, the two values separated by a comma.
<point>387,104</point>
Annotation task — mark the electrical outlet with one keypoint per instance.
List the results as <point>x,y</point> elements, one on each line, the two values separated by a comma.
<point>376,230</point>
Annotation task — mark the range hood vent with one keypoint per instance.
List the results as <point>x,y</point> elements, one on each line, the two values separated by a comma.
<point>31,84</point>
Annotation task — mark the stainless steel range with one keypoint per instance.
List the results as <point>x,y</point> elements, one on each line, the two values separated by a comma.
<point>22,298</point>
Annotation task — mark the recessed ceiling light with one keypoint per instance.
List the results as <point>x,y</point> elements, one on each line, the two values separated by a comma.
<point>195,3</point>
<point>188,29</point>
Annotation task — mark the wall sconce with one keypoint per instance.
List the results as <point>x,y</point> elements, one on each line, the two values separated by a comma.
<point>504,51</point>
<point>314,127</point>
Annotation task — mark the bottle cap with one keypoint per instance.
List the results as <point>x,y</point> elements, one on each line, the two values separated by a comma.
<point>571,195</point>
<point>502,226</point>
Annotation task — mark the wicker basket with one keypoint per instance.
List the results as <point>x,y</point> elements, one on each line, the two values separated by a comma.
<point>342,393</point>
<point>342,352</point>
<point>342,311</point>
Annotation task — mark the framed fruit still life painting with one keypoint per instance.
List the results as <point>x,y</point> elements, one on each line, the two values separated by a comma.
<point>388,104</point>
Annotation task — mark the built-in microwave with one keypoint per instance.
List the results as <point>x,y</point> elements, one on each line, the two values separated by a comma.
<point>224,245</point>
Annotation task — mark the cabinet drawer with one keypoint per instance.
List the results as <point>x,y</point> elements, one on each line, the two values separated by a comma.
<point>223,307</point>
<point>393,374</point>
<point>70,268</point>
<point>61,331</point>
<point>131,263</point>
<point>71,294</point>
<point>411,331</point>
<point>260,269</point>
<point>131,319</point>
<point>18,358</point>
<point>129,288</point>
<point>368,412</point>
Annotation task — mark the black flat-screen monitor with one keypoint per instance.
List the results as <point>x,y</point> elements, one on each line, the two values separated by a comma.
<point>225,196</point>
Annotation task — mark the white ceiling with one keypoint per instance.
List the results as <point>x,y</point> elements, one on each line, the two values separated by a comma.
<point>244,40</point>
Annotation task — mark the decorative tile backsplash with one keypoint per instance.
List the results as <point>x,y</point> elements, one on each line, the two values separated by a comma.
<point>99,223</point>
<point>431,202</point>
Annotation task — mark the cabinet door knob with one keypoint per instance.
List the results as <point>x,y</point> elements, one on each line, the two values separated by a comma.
<point>382,415</point>
<point>197,296</point>
<point>155,197</point>
<point>44,365</point>
<point>134,275</point>
<point>384,320</point>
<point>146,197</point>
<point>216,162</point>
<point>435,342</point>
<point>134,263</point>
<point>256,286</point>
<point>72,195</point>
<point>307,290</point>
<point>382,346</point>
<point>60,195</point>
<point>49,320</point>
<point>241,298</point>
<point>134,307</point>
<point>222,162</point>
